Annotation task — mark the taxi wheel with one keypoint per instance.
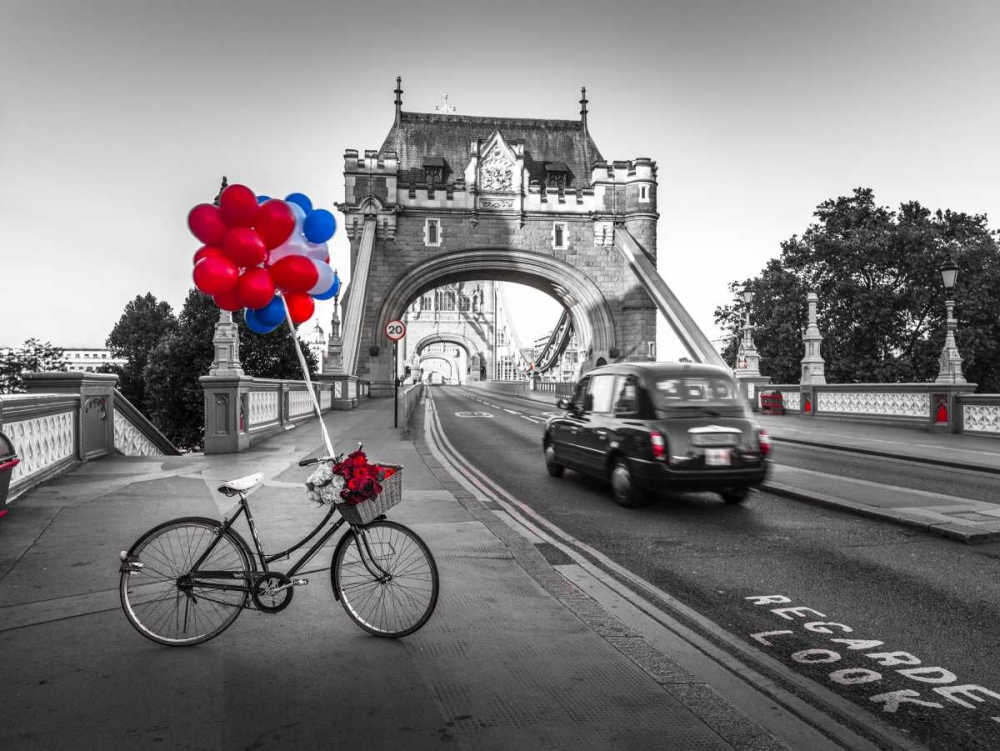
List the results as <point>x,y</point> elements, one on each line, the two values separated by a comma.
<point>555,469</point>
<point>735,495</point>
<point>623,490</point>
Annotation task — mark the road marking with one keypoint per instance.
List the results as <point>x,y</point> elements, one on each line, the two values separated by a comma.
<point>485,489</point>
<point>511,411</point>
<point>531,419</point>
<point>473,414</point>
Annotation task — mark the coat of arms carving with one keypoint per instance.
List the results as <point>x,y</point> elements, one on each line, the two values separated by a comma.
<point>496,173</point>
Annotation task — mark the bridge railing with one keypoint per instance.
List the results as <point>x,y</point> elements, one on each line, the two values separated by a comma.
<point>69,418</point>
<point>930,406</point>
<point>409,397</point>
<point>241,411</point>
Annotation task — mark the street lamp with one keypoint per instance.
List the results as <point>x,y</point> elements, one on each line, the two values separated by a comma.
<point>951,361</point>
<point>746,346</point>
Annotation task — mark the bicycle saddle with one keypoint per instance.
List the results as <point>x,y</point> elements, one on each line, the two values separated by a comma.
<point>242,485</point>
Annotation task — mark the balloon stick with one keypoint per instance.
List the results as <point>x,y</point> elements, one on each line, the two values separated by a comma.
<point>307,379</point>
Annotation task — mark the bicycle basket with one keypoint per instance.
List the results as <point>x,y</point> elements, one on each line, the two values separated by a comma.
<point>364,512</point>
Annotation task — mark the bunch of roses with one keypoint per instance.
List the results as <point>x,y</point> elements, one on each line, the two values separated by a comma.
<point>361,479</point>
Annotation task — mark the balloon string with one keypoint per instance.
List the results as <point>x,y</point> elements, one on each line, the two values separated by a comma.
<point>305,373</point>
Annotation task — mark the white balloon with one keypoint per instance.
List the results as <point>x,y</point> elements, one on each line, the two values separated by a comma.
<point>295,245</point>
<point>317,251</point>
<point>325,280</point>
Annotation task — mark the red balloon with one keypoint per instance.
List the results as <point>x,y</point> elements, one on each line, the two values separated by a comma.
<point>244,247</point>
<point>300,306</point>
<point>206,223</point>
<point>228,300</point>
<point>207,251</point>
<point>274,222</point>
<point>238,205</point>
<point>294,274</point>
<point>215,275</point>
<point>255,288</point>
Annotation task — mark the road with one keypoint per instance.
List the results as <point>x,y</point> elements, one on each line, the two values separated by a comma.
<point>903,625</point>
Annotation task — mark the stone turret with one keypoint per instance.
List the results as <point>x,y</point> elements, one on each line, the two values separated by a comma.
<point>813,366</point>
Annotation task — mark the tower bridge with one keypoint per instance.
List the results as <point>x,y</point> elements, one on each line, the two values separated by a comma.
<point>454,200</point>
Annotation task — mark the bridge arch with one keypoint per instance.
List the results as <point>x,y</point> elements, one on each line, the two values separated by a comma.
<point>590,311</point>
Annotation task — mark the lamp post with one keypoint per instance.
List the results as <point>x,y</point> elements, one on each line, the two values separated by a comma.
<point>951,361</point>
<point>747,358</point>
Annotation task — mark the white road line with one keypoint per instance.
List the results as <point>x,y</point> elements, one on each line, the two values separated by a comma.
<point>531,419</point>
<point>511,411</point>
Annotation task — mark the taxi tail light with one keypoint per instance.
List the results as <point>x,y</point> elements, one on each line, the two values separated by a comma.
<point>765,442</point>
<point>658,444</point>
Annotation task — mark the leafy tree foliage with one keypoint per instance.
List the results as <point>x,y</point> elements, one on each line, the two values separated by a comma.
<point>143,323</point>
<point>272,355</point>
<point>882,309</point>
<point>31,357</point>
<point>176,399</point>
<point>181,357</point>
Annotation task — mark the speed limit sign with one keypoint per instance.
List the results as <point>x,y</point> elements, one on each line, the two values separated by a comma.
<point>395,330</point>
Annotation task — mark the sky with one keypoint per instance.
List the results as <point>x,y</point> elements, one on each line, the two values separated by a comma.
<point>117,117</point>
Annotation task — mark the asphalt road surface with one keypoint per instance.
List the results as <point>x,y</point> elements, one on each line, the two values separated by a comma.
<point>903,624</point>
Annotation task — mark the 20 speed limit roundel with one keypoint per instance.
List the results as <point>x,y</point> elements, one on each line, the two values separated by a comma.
<point>395,330</point>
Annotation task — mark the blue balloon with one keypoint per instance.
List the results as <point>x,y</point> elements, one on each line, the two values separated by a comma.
<point>302,200</point>
<point>250,316</point>
<point>332,292</point>
<point>271,314</point>
<point>261,199</point>
<point>319,226</point>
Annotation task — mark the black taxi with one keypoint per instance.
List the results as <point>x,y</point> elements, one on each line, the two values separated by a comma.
<point>651,427</point>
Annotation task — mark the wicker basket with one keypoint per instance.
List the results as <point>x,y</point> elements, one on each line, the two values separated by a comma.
<point>364,512</point>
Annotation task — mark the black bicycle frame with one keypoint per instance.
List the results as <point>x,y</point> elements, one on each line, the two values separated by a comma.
<point>227,524</point>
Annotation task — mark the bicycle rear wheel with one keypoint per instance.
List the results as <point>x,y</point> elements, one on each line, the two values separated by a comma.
<point>163,603</point>
<point>385,578</point>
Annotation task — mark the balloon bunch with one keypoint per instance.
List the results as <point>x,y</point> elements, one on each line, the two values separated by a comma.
<point>262,253</point>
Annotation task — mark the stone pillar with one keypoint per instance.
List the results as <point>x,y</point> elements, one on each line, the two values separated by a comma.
<point>335,344</point>
<point>748,366</point>
<point>227,404</point>
<point>813,366</point>
<point>227,347</point>
<point>950,370</point>
<point>96,426</point>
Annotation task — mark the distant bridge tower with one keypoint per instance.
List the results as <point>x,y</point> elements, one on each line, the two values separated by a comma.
<point>453,198</point>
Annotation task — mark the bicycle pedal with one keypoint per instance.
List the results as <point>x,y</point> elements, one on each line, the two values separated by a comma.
<point>300,582</point>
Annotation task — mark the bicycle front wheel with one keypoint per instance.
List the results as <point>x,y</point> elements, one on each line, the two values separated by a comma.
<point>386,578</point>
<point>161,598</point>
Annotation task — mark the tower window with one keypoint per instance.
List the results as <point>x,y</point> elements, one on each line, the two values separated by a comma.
<point>432,232</point>
<point>644,193</point>
<point>560,239</point>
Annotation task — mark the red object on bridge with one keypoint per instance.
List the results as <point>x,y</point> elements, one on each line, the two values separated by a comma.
<point>808,407</point>
<point>772,403</point>
<point>942,413</point>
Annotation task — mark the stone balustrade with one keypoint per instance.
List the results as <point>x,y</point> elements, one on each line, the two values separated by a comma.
<point>936,407</point>
<point>69,418</point>
<point>241,411</point>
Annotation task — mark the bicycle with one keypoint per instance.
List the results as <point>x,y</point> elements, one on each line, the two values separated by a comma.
<point>187,580</point>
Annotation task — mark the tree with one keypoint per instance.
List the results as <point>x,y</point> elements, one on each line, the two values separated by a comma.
<point>881,299</point>
<point>181,357</point>
<point>272,355</point>
<point>31,357</point>
<point>143,323</point>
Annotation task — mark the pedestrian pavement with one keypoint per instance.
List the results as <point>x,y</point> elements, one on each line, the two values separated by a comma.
<point>516,655</point>
<point>971,521</point>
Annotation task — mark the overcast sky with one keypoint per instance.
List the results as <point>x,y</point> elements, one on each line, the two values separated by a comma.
<point>117,117</point>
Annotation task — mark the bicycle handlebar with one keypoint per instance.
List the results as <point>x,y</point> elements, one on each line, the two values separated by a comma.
<point>317,459</point>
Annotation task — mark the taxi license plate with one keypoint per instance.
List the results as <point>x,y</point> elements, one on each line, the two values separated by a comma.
<point>717,457</point>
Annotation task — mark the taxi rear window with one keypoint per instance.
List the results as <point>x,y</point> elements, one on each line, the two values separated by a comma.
<point>675,391</point>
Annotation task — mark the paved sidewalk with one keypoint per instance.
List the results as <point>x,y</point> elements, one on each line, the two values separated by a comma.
<point>515,656</point>
<point>970,521</point>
